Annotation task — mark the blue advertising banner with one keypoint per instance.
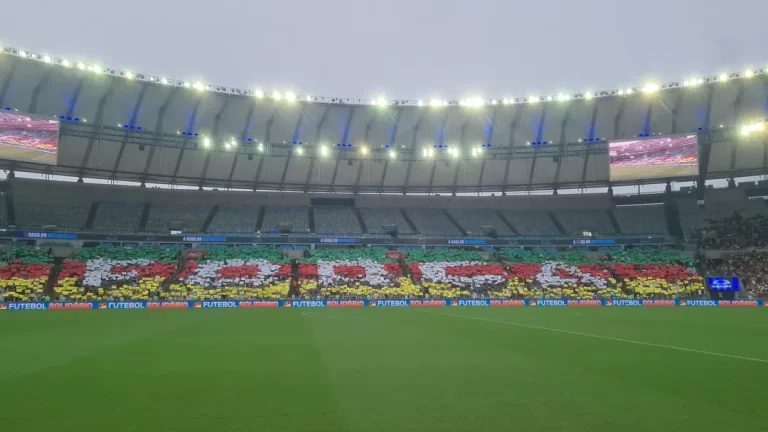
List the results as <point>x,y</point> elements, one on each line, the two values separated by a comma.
<point>269,304</point>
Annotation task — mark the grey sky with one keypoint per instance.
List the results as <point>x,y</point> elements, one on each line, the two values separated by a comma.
<point>400,48</point>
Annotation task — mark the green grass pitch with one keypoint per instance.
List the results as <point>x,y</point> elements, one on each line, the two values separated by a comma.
<point>443,369</point>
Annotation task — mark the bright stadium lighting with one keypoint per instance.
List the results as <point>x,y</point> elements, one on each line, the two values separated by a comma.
<point>621,92</point>
<point>700,81</point>
<point>227,145</point>
<point>533,99</point>
<point>261,148</point>
<point>66,63</point>
<point>749,73</point>
<point>494,102</point>
<point>47,59</point>
<point>187,84</point>
<point>364,150</point>
<point>22,53</point>
<point>562,97</point>
<point>588,95</point>
<point>549,98</point>
<point>95,69</point>
<point>234,143</point>
<point>81,66</point>
<point>436,103</point>
<point>307,98</point>
<point>164,81</point>
<point>276,96</point>
<point>290,97</point>
<point>472,102</point>
<point>381,102</point>
<point>323,151</point>
<point>420,103</point>
<point>206,142</point>
<point>258,93</point>
<point>454,152</point>
<point>722,77</point>
<point>628,91</point>
<point>651,88</point>
<point>300,151</point>
<point>392,154</point>
<point>199,86</point>
<point>128,75</point>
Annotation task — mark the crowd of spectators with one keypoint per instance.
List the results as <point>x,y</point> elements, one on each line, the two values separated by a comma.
<point>751,267</point>
<point>734,232</point>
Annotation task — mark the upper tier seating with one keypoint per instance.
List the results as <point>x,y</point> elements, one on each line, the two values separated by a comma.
<point>376,218</point>
<point>641,219</point>
<point>298,216</point>
<point>234,220</point>
<point>532,223</point>
<point>118,216</point>
<point>432,222</point>
<point>187,218</point>
<point>472,220</point>
<point>576,221</point>
<point>330,220</point>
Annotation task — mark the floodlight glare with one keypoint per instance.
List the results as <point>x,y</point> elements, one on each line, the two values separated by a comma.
<point>323,151</point>
<point>66,63</point>
<point>199,86</point>
<point>420,103</point>
<point>723,77</point>
<point>749,73</point>
<point>300,151</point>
<point>392,154</point>
<point>290,97</point>
<point>258,93</point>
<point>206,142</point>
<point>276,96</point>
<point>128,75</point>
<point>364,150</point>
<point>47,59</point>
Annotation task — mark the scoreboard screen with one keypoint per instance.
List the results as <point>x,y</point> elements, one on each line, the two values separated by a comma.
<point>723,283</point>
<point>650,158</point>
<point>28,138</point>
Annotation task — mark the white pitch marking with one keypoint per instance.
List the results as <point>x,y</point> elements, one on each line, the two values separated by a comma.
<point>610,338</point>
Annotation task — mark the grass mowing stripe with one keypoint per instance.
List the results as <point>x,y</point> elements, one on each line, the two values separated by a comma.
<point>608,338</point>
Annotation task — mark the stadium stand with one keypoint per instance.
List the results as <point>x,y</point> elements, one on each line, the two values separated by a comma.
<point>472,220</point>
<point>331,220</point>
<point>432,222</point>
<point>532,223</point>
<point>119,217</point>
<point>595,221</point>
<point>641,219</point>
<point>375,219</point>
<point>751,267</point>
<point>187,218</point>
<point>298,216</point>
<point>234,220</point>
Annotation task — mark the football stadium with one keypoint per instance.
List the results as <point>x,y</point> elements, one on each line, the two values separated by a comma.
<point>183,256</point>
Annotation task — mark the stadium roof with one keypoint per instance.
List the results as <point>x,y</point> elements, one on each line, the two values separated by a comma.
<point>129,126</point>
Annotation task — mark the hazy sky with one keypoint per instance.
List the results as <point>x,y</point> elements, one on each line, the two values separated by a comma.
<point>397,48</point>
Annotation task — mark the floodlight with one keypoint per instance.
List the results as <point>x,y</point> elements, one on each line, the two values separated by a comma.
<point>723,77</point>
<point>258,93</point>
<point>364,150</point>
<point>47,59</point>
<point>300,151</point>
<point>66,63</point>
<point>276,96</point>
<point>749,73</point>
<point>128,75</point>
<point>290,97</point>
<point>392,154</point>
<point>206,142</point>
